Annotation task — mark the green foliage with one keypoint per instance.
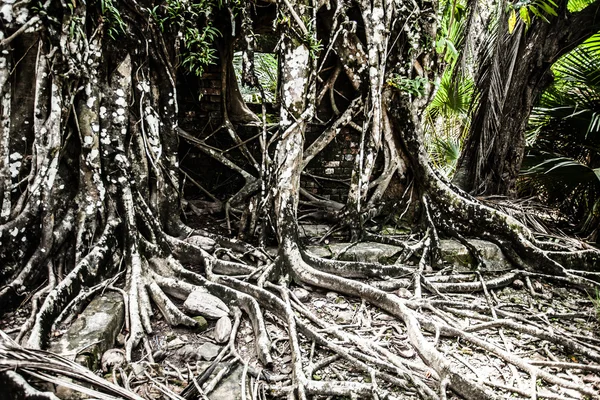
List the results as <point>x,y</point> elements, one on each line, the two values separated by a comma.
<point>191,21</point>
<point>563,163</point>
<point>595,299</point>
<point>578,5</point>
<point>414,87</point>
<point>452,99</point>
<point>266,68</point>
<point>444,151</point>
<point>452,28</point>
<point>447,117</point>
<point>526,10</point>
<point>314,45</point>
<point>75,27</point>
<point>112,18</point>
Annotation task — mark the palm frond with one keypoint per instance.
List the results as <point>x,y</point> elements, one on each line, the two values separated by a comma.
<point>452,98</point>
<point>53,368</point>
<point>567,183</point>
<point>567,118</point>
<point>265,68</point>
<point>592,44</point>
<point>578,5</point>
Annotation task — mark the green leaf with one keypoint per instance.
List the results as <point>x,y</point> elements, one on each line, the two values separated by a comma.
<point>524,13</point>
<point>512,21</point>
<point>548,8</point>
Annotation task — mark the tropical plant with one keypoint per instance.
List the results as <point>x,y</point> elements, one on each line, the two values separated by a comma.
<point>446,116</point>
<point>265,68</point>
<point>526,10</point>
<point>563,162</point>
<point>194,26</point>
<point>111,17</point>
<point>446,119</point>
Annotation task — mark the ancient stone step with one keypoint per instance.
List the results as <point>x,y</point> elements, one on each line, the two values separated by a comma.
<point>453,253</point>
<point>94,331</point>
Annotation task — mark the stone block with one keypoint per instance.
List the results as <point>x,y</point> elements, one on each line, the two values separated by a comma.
<point>211,75</point>
<point>453,253</point>
<point>206,106</point>
<point>94,332</point>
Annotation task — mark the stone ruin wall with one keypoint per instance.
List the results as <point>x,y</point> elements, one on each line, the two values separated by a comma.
<point>327,175</point>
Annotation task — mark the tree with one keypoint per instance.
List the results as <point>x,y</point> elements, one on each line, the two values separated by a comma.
<point>514,70</point>
<point>90,178</point>
<point>561,164</point>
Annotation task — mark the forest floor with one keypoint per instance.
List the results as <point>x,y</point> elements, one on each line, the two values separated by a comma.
<point>552,308</point>
<point>531,304</point>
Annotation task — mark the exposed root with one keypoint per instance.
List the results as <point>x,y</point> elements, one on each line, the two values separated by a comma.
<point>105,139</point>
<point>54,369</point>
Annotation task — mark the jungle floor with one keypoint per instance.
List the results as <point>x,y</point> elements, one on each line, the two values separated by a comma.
<point>528,317</point>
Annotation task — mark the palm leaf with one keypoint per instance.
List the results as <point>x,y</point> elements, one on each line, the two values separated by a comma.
<point>53,368</point>
<point>567,183</point>
<point>265,68</point>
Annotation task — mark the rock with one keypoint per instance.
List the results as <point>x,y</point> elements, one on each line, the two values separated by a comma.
<point>208,351</point>
<point>188,353</point>
<point>137,369</point>
<point>453,253</point>
<point>203,242</point>
<point>160,265</point>
<point>331,296</point>
<point>403,293</point>
<point>312,230</point>
<point>344,317</point>
<point>202,325</point>
<point>286,369</point>
<point>518,284</point>
<point>94,331</point>
<point>120,339</point>
<point>222,330</point>
<point>205,304</point>
<point>230,388</point>
<point>175,343</point>
<point>113,358</point>
<point>159,355</point>
<point>319,303</point>
<point>302,294</point>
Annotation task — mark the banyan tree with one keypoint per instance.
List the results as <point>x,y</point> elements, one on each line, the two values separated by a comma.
<point>92,185</point>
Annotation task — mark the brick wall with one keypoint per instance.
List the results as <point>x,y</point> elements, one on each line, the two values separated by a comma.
<point>327,175</point>
<point>333,165</point>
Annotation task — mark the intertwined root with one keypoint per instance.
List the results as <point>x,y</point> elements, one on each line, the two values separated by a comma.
<point>420,346</point>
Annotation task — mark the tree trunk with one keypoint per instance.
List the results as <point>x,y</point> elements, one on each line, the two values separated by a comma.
<point>509,84</point>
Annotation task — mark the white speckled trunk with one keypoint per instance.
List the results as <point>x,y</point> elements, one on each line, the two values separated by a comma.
<point>377,17</point>
<point>297,109</point>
